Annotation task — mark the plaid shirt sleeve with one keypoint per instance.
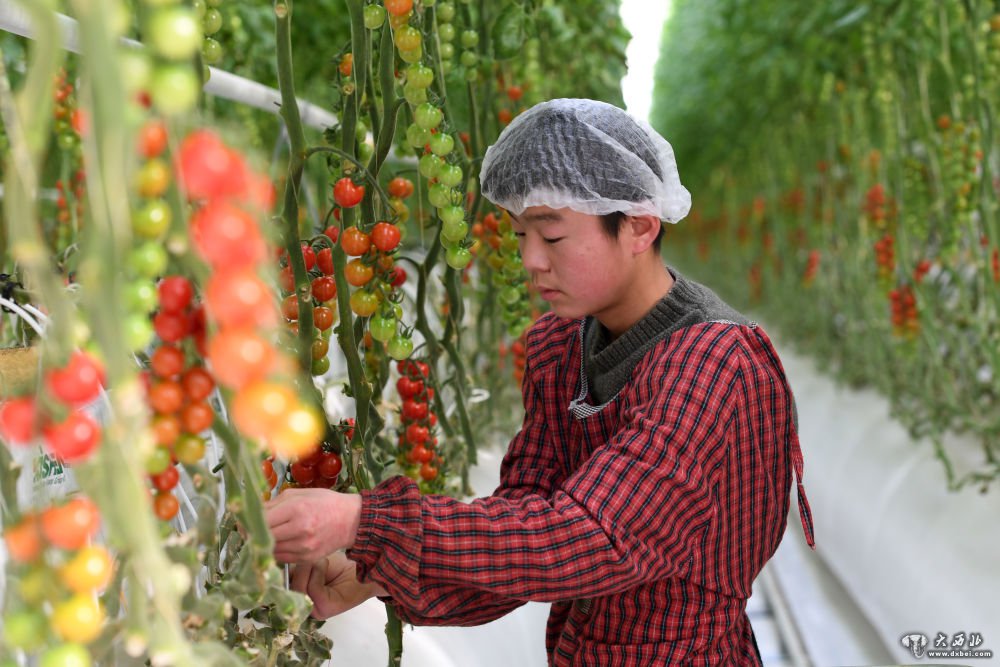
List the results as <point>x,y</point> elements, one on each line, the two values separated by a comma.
<point>527,468</point>
<point>629,514</point>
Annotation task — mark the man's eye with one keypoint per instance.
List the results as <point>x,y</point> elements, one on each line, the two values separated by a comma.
<point>519,235</point>
<point>553,240</point>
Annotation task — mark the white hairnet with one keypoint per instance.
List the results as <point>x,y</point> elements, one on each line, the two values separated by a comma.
<point>585,155</point>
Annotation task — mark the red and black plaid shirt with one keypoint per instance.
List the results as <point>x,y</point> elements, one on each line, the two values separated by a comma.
<point>644,524</point>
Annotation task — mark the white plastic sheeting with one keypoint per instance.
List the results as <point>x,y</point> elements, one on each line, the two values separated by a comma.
<point>914,557</point>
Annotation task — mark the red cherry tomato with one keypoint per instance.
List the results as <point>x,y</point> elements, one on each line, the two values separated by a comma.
<point>175,293</point>
<point>74,438</point>
<point>197,383</point>
<point>355,242</point>
<point>79,382</point>
<point>167,361</point>
<point>69,526</point>
<point>324,288</point>
<point>308,256</point>
<point>17,419</point>
<point>324,260</point>
<point>400,187</point>
<point>303,474</point>
<point>208,169</point>
<point>226,235</point>
<point>385,236</point>
<point>330,465</point>
<point>165,506</point>
<point>347,194</point>
<point>171,327</point>
<point>152,138</point>
<point>167,479</point>
<point>238,296</point>
<point>417,434</point>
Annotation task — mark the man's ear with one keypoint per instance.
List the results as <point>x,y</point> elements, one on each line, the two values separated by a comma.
<point>643,230</point>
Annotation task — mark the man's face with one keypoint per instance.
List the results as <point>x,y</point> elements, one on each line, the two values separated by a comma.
<point>573,263</point>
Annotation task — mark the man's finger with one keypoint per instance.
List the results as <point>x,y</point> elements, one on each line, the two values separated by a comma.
<point>275,515</point>
<point>286,532</point>
<point>301,576</point>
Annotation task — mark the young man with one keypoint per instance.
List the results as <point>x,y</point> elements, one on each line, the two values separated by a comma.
<point>650,481</point>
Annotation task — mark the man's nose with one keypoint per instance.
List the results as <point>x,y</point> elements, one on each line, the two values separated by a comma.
<point>533,255</point>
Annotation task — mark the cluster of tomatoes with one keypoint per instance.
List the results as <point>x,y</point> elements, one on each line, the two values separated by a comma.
<point>438,162</point>
<point>323,291</point>
<point>372,269</point>
<point>905,317</point>
<point>174,33</point>
<point>70,121</point>
<point>499,251</point>
<point>69,432</point>
<point>241,352</point>
<point>60,575</point>
<point>152,215</point>
<point>177,392</point>
<point>812,267</point>
<point>961,157</point>
<point>885,257</point>
<point>417,439</point>
<point>319,470</point>
<point>469,40</point>
<point>513,93</point>
<point>211,23</point>
<point>878,208</point>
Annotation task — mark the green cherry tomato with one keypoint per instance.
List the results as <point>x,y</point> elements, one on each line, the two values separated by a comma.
<point>66,655</point>
<point>411,55</point>
<point>419,75</point>
<point>408,38</point>
<point>382,328</point>
<point>450,174</point>
<point>212,22</point>
<point>363,303</point>
<point>189,448</point>
<point>400,348</point>
<point>428,116</point>
<point>417,136</point>
<point>470,39</point>
<point>446,12</point>
<point>469,59</point>
<point>457,257</point>
<point>199,8</point>
<point>174,88</point>
<point>211,51</point>
<point>149,260</point>
<point>453,231</point>
<point>320,366</point>
<point>442,143</point>
<point>510,295</point>
<point>451,214</point>
<point>429,165</point>
<point>138,332</point>
<point>25,630</point>
<point>365,152</point>
<point>158,460</point>
<point>440,195</point>
<point>414,96</point>
<point>374,16</point>
<point>446,32</point>
<point>174,32</point>
<point>447,51</point>
<point>152,220</point>
<point>141,296</point>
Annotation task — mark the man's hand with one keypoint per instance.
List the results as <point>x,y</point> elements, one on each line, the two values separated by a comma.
<point>310,524</point>
<point>333,586</point>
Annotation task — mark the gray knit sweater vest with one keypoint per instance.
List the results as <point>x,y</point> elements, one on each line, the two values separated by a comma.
<point>609,363</point>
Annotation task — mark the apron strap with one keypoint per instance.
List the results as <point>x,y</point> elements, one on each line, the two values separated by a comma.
<point>805,513</point>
